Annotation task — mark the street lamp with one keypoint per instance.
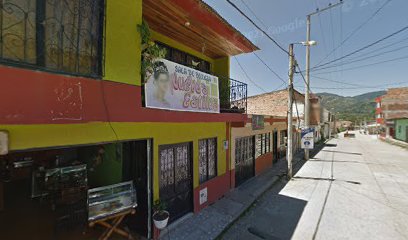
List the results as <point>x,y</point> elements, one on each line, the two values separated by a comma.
<point>309,43</point>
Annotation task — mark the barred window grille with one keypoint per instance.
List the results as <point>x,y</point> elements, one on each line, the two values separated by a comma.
<point>185,59</point>
<point>207,159</point>
<point>263,144</point>
<point>57,35</point>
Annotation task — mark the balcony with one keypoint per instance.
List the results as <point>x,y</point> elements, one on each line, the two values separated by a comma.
<point>233,99</point>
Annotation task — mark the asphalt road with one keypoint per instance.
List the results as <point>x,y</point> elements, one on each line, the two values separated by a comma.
<point>352,189</point>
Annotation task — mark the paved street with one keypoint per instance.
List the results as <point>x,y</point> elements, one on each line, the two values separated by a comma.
<point>352,189</point>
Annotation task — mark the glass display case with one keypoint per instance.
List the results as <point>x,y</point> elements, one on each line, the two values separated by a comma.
<point>56,181</point>
<point>109,200</point>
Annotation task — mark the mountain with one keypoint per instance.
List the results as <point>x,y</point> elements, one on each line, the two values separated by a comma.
<point>351,108</point>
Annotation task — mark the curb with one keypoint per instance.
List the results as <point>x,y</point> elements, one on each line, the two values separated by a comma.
<point>274,180</point>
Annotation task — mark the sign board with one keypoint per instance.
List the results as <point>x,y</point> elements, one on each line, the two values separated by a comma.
<point>307,138</point>
<point>258,122</point>
<point>176,87</point>
<point>203,196</point>
<point>226,144</point>
<point>4,142</point>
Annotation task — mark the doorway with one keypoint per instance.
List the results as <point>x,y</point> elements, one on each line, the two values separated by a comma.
<point>136,168</point>
<point>244,159</point>
<point>275,147</point>
<point>176,181</point>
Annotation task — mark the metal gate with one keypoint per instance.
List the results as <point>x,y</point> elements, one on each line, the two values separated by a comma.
<point>244,159</point>
<point>275,147</point>
<point>176,183</point>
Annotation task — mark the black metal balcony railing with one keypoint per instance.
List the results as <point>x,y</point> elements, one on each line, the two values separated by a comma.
<point>238,93</point>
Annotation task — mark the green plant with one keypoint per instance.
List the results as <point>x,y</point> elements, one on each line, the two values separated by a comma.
<point>150,51</point>
<point>159,206</point>
<point>160,212</point>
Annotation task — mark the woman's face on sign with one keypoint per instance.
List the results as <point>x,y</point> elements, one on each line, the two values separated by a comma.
<point>162,82</point>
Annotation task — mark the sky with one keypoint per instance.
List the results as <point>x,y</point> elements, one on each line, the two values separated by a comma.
<point>285,21</point>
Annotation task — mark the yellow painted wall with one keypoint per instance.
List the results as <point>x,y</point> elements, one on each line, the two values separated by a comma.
<point>172,133</point>
<point>222,70</point>
<point>123,44</point>
<point>40,136</point>
<point>122,41</point>
<point>22,137</point>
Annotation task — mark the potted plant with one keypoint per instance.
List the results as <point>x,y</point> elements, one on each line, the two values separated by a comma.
<point>150,51</point>
<point>160,215</point>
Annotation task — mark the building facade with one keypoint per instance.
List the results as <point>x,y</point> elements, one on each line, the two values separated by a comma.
<point>401,129</point>
<point>255,145</point>
<point>72,92</point>
<point>394,108</point>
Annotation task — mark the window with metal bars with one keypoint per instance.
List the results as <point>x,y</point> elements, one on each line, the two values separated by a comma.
<point>185,59</point>
<point>207,159</point>
<point>283,135</point>
<point>263,144</point>
<point>57,35</point>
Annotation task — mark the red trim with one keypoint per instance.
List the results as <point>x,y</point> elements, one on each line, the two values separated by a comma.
<point>216,188</point>
<point>32,97</point>
<point>263,162</point>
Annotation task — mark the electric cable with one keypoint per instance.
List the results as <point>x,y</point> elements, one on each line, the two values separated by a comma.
<point>356,30</point>
<point>363,48</point>
<point>363,66</point>
<point>246,74</point>
<point>260,29</point>
<point>270,69</point>
<point>361,59</point>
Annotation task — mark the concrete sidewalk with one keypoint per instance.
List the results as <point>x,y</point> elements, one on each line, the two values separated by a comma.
<point>213,220</point>
<point>354,188</point>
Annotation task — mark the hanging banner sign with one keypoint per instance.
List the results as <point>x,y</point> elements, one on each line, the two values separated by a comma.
<point>307,138</point>
<point>176,87</point>
<point>258,122</point>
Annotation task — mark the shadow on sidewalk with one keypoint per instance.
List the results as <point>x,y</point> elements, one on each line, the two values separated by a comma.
<point>272,215</point>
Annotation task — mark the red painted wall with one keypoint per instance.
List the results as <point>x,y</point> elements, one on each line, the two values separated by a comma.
<point>263,162</point>
<point>216,188</point>
<point>33,97</point>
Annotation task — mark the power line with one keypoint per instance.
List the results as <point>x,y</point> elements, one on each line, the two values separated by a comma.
<point>303,77</point>
<point>361,86</point>
<point>260,29</point>
<point>373,87</point>
<point>270,69</point>
<point>253,13</point>
<point>363,48</point>
<point>367,65</point>
<point>246,74</point>
<point>355,31</point>
<point>382,48</point>
<point>344,83</point>
<point>362,59</point>
<point>321,27</point>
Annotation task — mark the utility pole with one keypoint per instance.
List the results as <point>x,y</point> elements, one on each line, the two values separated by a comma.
<point>307,73</point>
<point>289,151</point>
<point>307,101</point>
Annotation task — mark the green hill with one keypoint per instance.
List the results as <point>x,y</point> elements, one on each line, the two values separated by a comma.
<point>351,108</point>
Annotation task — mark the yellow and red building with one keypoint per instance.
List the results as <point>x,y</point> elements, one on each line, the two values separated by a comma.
<point>77,95</point>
